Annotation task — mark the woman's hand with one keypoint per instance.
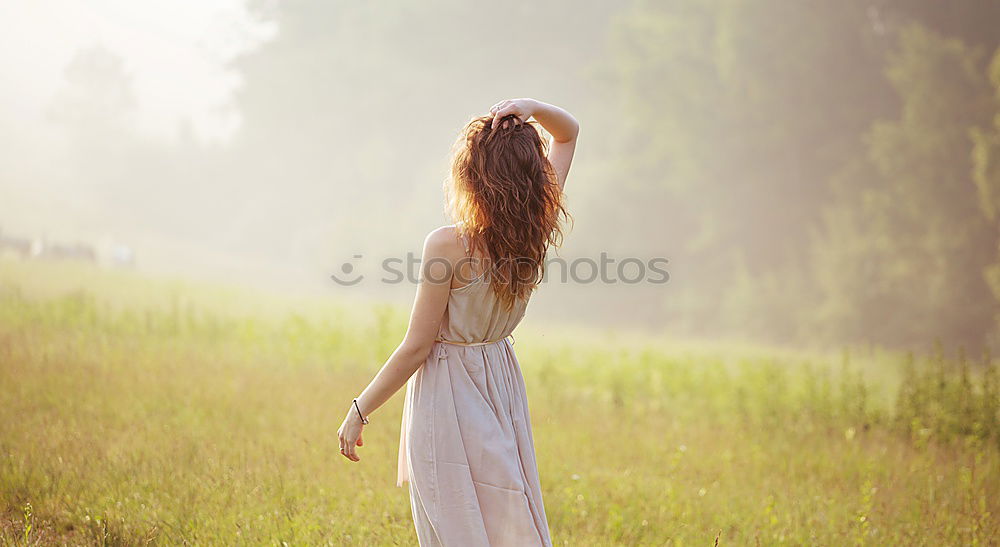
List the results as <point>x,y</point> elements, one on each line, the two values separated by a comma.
<point>522,108</point>
<point>350,435</point>
<point>561,125</point>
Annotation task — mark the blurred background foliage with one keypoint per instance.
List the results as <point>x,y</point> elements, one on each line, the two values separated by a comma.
<point>817,173</point>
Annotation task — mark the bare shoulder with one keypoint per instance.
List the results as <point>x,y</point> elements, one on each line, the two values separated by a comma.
<point>444,242</point>
<point>442,252</point>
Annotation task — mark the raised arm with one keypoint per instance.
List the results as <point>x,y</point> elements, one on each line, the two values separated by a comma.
<point>559,123</point>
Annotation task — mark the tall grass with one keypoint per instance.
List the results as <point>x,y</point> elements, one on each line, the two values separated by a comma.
<point>136,411</point>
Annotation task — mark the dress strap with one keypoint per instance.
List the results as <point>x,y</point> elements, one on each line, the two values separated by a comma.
<point>463,237</point>
<point>465,243</point>
<point>468,253</point>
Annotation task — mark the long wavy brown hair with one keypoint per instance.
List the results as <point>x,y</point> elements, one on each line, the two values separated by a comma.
<point>504,197</point>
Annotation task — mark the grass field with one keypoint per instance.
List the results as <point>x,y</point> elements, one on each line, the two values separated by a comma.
<point>147,411</point>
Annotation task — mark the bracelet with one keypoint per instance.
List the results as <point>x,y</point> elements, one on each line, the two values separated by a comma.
<point>363,419</point>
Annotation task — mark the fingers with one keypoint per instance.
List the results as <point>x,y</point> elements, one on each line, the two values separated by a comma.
<point>344,451</point>
<point>348,450</point>
<point>499,110</point>
<point>500,114</point>
<point>506,108</point>
<point>348,446</point>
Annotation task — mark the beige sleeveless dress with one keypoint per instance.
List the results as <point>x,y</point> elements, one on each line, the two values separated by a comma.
<point>465,443</point>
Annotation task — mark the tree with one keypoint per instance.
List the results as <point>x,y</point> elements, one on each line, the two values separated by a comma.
<point>986,173</point>
<point>743,111</point>
<point>904,249</point>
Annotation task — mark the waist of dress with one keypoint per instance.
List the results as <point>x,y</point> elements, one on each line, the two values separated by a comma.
<point>488,342</point>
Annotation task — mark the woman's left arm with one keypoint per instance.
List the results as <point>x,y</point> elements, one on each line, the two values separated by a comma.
<point>436,269</point>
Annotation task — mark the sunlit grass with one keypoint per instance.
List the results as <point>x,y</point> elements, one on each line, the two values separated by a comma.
<point>137,411</point>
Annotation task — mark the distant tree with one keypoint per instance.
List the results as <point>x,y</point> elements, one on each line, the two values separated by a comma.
<point>975,22</point>
<point>96,103</point>
<point>986,173</point>
<point>743,111</point>
<point>356,104</point>
<point>135,183</point>
<point>905,247</point>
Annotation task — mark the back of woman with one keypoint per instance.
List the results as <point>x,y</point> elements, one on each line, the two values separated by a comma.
<point>466,445</point>
<point>475,313</point>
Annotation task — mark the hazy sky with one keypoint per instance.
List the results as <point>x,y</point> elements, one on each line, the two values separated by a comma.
<point>175,51</point>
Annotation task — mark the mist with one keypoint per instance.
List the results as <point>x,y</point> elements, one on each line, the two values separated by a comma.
<point>746,145</point>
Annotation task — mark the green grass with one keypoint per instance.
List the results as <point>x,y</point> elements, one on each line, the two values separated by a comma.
<point>136,410</point>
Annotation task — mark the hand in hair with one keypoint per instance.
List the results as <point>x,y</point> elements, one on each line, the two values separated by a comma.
<point>560,124</point>
<point>522,109</point>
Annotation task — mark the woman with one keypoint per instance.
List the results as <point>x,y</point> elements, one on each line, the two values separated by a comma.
<point>466,445</point>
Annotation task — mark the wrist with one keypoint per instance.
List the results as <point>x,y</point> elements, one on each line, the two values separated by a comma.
<point>356,414</point>
<point>352,417</point>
